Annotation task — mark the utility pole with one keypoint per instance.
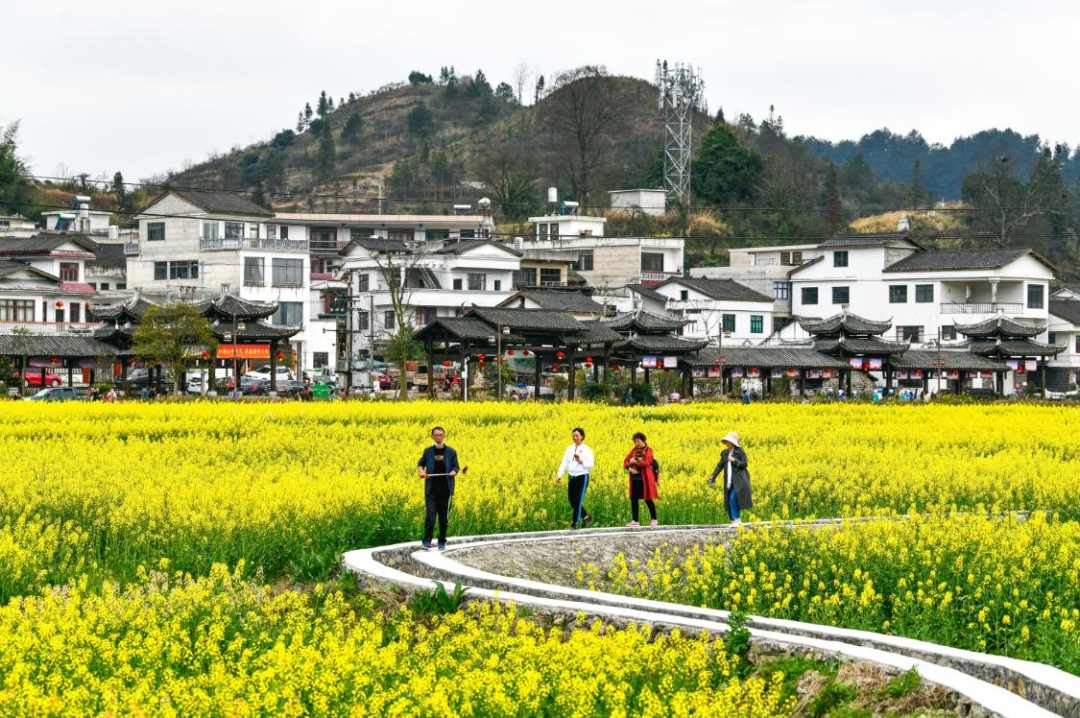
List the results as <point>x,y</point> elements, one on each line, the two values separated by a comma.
<point>349,334</point>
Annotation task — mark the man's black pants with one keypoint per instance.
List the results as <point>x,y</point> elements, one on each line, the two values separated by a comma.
<point>438,506</point>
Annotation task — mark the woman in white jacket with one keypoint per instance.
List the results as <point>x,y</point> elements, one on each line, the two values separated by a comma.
<point>578,461</point>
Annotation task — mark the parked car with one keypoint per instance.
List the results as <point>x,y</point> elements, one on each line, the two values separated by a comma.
<point>55,393</point>
<point>294,389</point>
<point>33,378</point>
<point>254,387</point>
<point>284,373</point>
<point>140,377</point>
<point>385,382</point>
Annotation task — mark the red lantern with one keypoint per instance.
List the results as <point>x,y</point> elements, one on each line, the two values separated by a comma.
<point>280,356</point>
<point>616,368</point>
<point>206,355</point>
<point>446,363</point>
<point>59,305</point>
<point>588,359</point>
<point>510,352</point>
<point>482,365</point>
<point>53,361</point>
<point>525,352</point>
<point>588,365</point>
<point>554,367</point>
<point>715,361</point>
<point>481,357</point>
<point>560,355</point>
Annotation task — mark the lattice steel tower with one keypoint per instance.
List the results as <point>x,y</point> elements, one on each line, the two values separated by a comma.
<point>682,91</point>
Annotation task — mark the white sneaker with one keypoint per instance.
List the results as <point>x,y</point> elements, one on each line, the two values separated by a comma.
<point>736,523</point>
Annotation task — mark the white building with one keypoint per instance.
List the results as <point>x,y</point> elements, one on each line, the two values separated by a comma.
<point>924,293</point>
<point>15,225</point>
<point>608,262</point>
<point>196,244</point>
<point>711,306</point>
<point>43,283</point>
<point>438,279</point>
<point>765,270</point>
<point>647,201</point>
<point>1064,331</point>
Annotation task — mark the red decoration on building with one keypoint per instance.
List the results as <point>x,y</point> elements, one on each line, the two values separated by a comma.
<point>53,361</point>
<point>280,356</point>
<point>510,352</point>
<point>554,367</point>
<point>59,305</point>
<point>524,352</point>
<point>588,359</point>
<point>588,365</point>
<point>560,355</point>
<point>481,357</point>
<point>446,363</point>
<point>206,355</point>
<point>616,368</point>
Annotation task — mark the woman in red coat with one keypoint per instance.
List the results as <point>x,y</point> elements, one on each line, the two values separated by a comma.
<point>639,463</point>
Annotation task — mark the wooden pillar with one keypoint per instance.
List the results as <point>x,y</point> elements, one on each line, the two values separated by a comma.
<point>633,372</point>
<point>71,380</point>
<point>273,368</point>
<point>596,372</point>
<point>464,381</point>
<point>686,381</point>
<point>1042,377</point>
<point>802,383</point>
<point>125,362</point>
<point>538,369</point>
<point>925,383</point>
<point>847,393</point>
<point>888,379</point>
<point>959,383</point>
<point>690,377</point>
<point>768,382</point>
<point>570,390</point>
<point>211,374</point>
<point>430,346</point>
<point>646,375</point>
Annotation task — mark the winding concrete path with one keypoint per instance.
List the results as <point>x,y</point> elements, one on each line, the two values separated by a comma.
<point>993,685</point>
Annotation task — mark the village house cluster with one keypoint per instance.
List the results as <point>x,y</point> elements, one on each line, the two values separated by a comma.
<point>323,293</point>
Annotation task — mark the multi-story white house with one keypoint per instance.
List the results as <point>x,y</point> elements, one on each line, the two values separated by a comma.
<point>1064,331</point>
<point>437,279</point>
<point>43,283</point>
<point>925,293</point>
<point>195,244</point>
<point>712,306</point>
<point>766,270</point>
<point>608,262</point>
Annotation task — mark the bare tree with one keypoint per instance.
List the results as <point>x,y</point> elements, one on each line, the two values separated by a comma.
<point>1005,202</point>
<point>508,165</point>
<point>582,115</point>
<point>520,76</point>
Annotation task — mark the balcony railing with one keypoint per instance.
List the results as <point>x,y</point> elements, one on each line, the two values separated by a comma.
<point>654,277</point>
<point>231,244</point>
<point>326,246</point>
<point>39,328</point>
<point>131,248</point>
<point>982,308</point>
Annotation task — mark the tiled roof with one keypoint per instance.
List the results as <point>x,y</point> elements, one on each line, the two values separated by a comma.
<point>961,259</point>
<point>528,319</point>
<point>1012,348</point>
<point>767,358</point>
<point>872,345</point>
<point>646,292</point>
<point>658,344</point>
<point>574,301</point>
<point>11,266</point>
<point>951,359</point>
<point>1067,309</point>
<point>227,306</point>
<point>725,290</point>
<point>846,321</point>
<point>643,321</point>
<point>37,345</point>
<point>219,202</point>
<point>108,255</point>
<point>867,240</point>
<point>460,247</point>
<point>471,328</point>
<point>133,308</point>
<point>42,243</point>
<point>376,244</point>
<point>1000,327</point>
<point>594,333</point>
<point>254,329</point>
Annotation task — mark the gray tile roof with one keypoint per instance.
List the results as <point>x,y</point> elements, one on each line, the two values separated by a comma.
<point>53,346</point>
<point>108,255</point>
<point>1067,309</point>
<point>520,320</point>
<point>961,259</point>
<point>227,306</point>
<point>594,333</point>
<point>219,202</point>
<point>767,358</point>
<point>571,301</point>
<point>659,344</point>
<point>132,309</point>
<point>873,345</point>
<point>42,243</point>
<point>847,322</point>
<point>377,244</point>
<point>460,247</point>
<point>643,321</point>
<point>255,330</point>
<point>1000,327</point>
<point>469,328</point>
<point>951,359</point>
<point>727,290</point>
<point>1012,348</point>
<point>646,292</point>
<point>867,240</point>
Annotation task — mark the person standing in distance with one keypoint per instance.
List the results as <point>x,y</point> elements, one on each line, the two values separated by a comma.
<point>578,461</point>
<point>437,466</point>
<point>733,463</point>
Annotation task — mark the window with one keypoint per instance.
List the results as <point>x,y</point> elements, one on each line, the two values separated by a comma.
<point>361,233</point>
<point>320,266</point>
<point>785,259</point>
<point>184,270</point>
<point>498,285</point>
<point>841,295</point>
<point>320,359</point>
<point>909,334</point>
<point>541,230</point>
<point>210,230</point>
<point>161,270</point>
<point>234,230</point>
<point>809,295</point>
<point>652,262</point>
<point>437,235</point>
<point>253,230</point>
<point>104,286</point>
<point>254,272</point>
<point>898,294</point>
<point>284,231</point>
<point>363,320</point>
<point>401,235</point>
<point>1035,296</point>
<point>389,319</point>
<point>271,231</point>
<point>1077,347</point>
<point>364,282</point>
<point>287,272</point>
<point>584,261</point>
<point>524,278</point>
<point>467,234</point>
<point>1051,338</point>
<point>839,258</point>
<point>477,282</point>
<point>728,323</point>
<point>93,284</point>
<point>288,313</point>
<point>924,293</point>
<point>684,295</point>
<point>781,290</point>
<point>457,285</point>
<point>121,285</point>
<point>76,312</point>
<point>791,259</point>
<point>16,310</point>
<point>948,333</point>
<point>757,323</point>
<point>69,271</point>
<point>550,277</point>
<point>155,231</point>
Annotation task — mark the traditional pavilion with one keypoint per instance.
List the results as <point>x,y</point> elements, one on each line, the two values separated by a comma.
<point>652,342</point>
<point>118,328</point>
<point>1011,342</point>
<point>855,341</point>
<point>764,363</point>
<point>242,333</point>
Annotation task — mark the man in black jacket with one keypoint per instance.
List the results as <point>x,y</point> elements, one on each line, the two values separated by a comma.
<point>437,466</point>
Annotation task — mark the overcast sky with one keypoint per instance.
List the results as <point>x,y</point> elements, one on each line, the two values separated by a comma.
<point>140,86</point>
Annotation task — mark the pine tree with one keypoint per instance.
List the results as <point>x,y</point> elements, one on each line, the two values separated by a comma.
<point>539,90</point>
<point>917,192</point>
<point>350,133</point>
<point>299,122</point>
<point>323,106</point>
<point>720,115</point>
<point>120,192</point>
<point>307,114</point>
<point>326,155</point>
<point>834,207</point>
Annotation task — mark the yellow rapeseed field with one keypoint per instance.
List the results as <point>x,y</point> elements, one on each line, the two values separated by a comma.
<point>94,496</point>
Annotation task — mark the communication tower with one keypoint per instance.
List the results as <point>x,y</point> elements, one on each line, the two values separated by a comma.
<point>682,91</point>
